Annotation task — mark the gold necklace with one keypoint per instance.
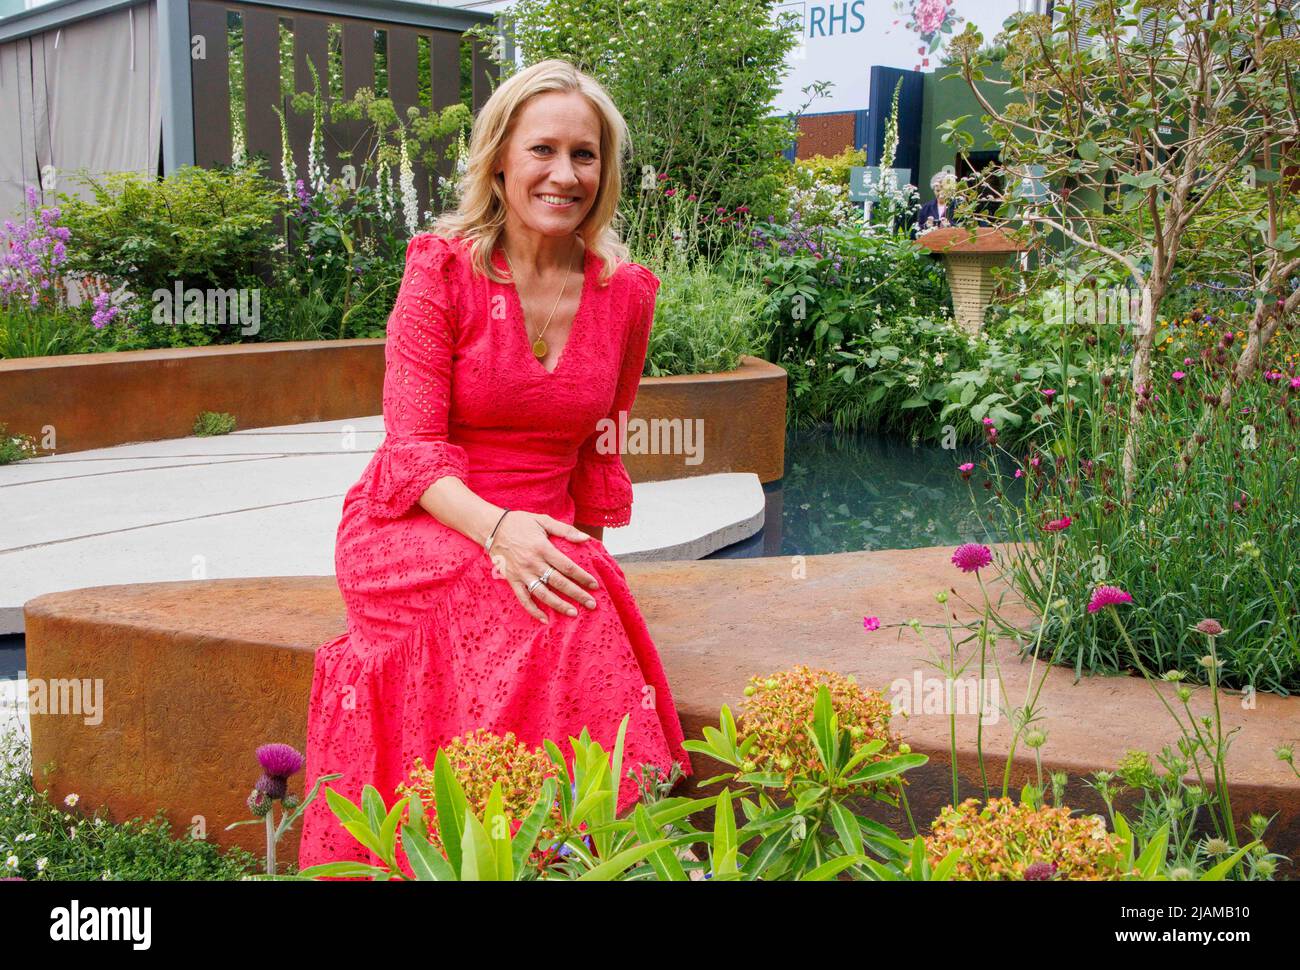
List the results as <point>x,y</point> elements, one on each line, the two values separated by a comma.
<point>539,345</point>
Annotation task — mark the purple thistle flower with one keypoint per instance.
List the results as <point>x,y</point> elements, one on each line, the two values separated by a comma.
<point>280,760</point>
<point>972,557</point>
<point>1104,596</point>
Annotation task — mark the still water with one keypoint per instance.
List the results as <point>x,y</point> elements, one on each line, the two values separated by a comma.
<point>853,492</point>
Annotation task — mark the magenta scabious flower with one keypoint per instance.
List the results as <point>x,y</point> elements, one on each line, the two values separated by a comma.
<point>972,557</point>
<point>1177,375</point>
<point>1049,393</point>
<point>1210,627</point>
<point>966,469</point>
<point>870,623</point>
<point>1295,383</point>
<point>1104,596</point>
<point>1040,871</point>
<point>280,760</point>
<point>1058,525</point>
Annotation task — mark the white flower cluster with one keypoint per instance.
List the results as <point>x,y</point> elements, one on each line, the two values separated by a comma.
<point>410,199</point>
<point>385,193</point>
<point>823,203</point>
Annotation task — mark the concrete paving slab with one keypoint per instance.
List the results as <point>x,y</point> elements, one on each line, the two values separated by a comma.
<point>265,502</point>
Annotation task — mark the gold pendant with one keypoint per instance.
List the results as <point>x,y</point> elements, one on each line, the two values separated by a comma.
<point>539,348</point>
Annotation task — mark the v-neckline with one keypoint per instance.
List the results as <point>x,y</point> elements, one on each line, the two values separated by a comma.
<point>588,261</point>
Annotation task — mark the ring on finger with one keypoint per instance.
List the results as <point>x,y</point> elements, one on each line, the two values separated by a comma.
<point>534,584</point>
<point>543,577</point>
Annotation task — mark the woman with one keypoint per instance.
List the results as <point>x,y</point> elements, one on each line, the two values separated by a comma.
<point>469,555</point>
<point>937,213</point>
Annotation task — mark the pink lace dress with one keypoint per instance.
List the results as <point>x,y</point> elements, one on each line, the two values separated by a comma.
<point>436,646</point>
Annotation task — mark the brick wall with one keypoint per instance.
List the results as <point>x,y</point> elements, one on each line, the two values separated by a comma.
<point>827,134</point>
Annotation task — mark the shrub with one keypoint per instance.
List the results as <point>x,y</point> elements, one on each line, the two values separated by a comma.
<point>706,317</point>
<point>480,760</point>
<point>53,842</point>
<point>201,227</point>
<point>778,713</point>
<point>210,423</point>
<point>1005,840</point>
<point>696,100</point>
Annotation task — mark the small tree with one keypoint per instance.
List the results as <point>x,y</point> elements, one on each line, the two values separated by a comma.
<point>694,79</point>
<point>1155,122</point>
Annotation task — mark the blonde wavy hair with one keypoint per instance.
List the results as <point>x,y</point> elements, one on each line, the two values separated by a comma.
<point>480,216</point>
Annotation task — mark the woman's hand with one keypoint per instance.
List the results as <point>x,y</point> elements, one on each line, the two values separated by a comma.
<point>522,551</point>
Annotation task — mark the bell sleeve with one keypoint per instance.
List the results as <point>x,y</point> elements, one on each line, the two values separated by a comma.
<point>417,385</point>
<point>599,484</point>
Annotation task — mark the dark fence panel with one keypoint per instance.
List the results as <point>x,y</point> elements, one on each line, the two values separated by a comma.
<point>311,39</point>
<point>211,80</point>
<point>310,49</point>
<point>262,84</point>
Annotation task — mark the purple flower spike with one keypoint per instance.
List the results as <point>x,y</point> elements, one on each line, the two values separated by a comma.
<point>280,760</point>
<point>972,557</point>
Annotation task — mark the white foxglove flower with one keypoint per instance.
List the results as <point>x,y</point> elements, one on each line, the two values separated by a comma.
<point>410,199</point>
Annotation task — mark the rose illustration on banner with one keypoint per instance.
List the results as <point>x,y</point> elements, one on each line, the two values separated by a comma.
<point>930,20</point>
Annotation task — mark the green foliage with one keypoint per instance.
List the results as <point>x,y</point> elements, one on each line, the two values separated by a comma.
<point>804,825</point>
<point>1177,543</point>
<point>213,423</point>
<point>45,332</point>
<point>827,168</point>
<point>202,227</point>
<point>15,447</point>
<point>694,82</point>
<point>75,847</point>
<point>706,317</point>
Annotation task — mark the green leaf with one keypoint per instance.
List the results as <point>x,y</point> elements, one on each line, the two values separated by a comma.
<point>889,767</point>
<point>526,838</point>
<point>768,850</point>
<point>943,871</point>
<point>825,729</point>
<point>426,862</point>
<point>372,803</point>
<point>451,805</point>
<point>664,861</point>
<point>1219,872</point>
<point>478,863</point>
<point>612,867</point>
<point>846,827</point>
<point>343,870</point>
<point>724,827</point>
<point>498,831</point>
<point>832,868</point>
<point>1153,855</point>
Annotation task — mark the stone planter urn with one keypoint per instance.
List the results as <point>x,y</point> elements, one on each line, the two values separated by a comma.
<point>969,255</point>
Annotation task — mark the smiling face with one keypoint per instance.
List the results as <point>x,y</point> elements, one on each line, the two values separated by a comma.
<point>552,164</point>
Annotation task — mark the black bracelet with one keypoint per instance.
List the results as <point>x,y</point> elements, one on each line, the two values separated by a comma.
<point>487,546</point>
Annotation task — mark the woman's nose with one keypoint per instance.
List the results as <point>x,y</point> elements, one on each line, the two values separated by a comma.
<point>563,172</point>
